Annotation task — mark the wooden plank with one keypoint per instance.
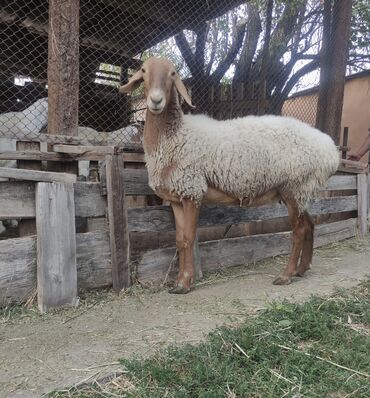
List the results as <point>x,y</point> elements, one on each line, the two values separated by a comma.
<point>17,270</point>
<point>197,260</point>
<point>160,218</point>
<point>341,183</point>
<point>363,199</point>
<point>88,200</point>
<point>368,198</point>
<point>353,163</point>
<point>28,227</point>
<point>18,200</point>
<point>351,170</point>
<point>344,148</point>
<point>97,140</point>
<point>94,268</point>
<point>84,149</point>
<point>58,157</point>
<point>136,182</point>
<point>134,157</point>
<point>118,224</point>
<point>18,265</point>
<point>56,245</point>
<point>25,147</point>
<point>40,156</point>
<point>35,175</point>
<point>153,265</point>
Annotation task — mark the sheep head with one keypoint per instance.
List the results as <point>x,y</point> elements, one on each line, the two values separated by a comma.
<point>159,77</point>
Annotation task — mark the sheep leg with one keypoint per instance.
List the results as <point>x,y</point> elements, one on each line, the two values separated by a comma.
<point>186,246</point>
<point>307,250</point>
<point>298,226</point>
<point>178,212</point>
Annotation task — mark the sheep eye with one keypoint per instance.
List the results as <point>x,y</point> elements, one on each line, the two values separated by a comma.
<point>143,70</point>
<point>173,73</point>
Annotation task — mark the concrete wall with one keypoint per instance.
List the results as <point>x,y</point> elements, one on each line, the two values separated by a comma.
<point>356,109</point>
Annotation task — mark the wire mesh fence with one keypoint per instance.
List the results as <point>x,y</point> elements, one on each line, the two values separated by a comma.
<point>236,58</point>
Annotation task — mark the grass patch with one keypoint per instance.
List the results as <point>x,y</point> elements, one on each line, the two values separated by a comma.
<point>320,348</point>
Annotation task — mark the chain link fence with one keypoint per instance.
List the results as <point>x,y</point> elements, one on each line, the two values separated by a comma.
<point>236,58</point>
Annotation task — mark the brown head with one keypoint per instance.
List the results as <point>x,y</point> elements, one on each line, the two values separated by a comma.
<point>159,77</point>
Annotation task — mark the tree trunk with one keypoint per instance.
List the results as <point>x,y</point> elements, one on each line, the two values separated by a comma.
<point>337,20</point>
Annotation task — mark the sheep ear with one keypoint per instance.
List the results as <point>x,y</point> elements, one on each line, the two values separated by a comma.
<point>182,90</point>
<point>133,83</point>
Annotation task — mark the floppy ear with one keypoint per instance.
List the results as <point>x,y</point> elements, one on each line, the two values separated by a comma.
<point>133,83</point>
<point>182,90</point>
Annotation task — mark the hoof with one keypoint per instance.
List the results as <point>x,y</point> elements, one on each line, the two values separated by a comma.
<point>300,272</point>
<point>282,280</point>
<point>179,290</point>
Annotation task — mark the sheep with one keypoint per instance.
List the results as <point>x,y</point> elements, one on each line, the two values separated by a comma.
<point>34,119</point>
<point>250,161</point>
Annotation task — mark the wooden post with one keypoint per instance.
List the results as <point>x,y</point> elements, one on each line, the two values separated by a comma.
<point>63,73</point>
<point>56,245</point>
<point>118,226</point>
<point>28,227</point>
<point>197,260</point>
<point>345,142</point>
<point>363,202</point>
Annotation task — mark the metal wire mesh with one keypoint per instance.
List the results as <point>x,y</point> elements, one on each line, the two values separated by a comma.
<point>236,58</point>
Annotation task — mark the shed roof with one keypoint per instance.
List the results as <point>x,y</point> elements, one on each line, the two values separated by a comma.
<point>119,28</point>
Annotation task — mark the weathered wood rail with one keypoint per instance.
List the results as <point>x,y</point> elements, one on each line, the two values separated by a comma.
<point>101,261</point>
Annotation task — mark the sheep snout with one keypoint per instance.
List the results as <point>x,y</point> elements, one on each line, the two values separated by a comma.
<point>156,101</point>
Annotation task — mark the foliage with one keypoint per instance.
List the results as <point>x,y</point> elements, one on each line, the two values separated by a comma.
<point>230,47</point>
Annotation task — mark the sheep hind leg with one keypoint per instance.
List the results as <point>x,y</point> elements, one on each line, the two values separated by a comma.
<point>298,226</point>
<point>307,249</point>
<point>178,212</point>
<point>185,245</point>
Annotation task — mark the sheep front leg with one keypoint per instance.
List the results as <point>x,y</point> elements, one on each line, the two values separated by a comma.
<point>307,250</point>
<point>186,228</point>
<point>178,213</point>
<point>298,226</point>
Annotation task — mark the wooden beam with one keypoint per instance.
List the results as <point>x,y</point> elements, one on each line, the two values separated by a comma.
<point>28,227</point>
<point>56,246</point>
<point>18,279</point>
<point>35,175</point>
<point>153,265</point>
<point>351,170</point>
<point>83,149</point>
<point>63,72</point>
<point>352,163</point>
<point>363,200</point>
<point>99,137</point>
<point>160,218</point>
<point>341,183</point>
<point>344,148</point>
<point>56,157</point>
<point>17,201</point>
<point>118,222</point>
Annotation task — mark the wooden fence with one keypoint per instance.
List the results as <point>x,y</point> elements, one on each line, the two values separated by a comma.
<point>137,243</point>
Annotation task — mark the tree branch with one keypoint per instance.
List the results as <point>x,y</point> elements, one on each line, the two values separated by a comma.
<point>200,46</point>
<point>186,52</point>
<point>310,67</point>
<point>224,65</point>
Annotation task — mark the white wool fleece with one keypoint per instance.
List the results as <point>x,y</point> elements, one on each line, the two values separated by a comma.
<point>244,157</point>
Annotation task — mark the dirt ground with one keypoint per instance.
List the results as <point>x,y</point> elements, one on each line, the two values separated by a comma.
<point>41,353</point>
